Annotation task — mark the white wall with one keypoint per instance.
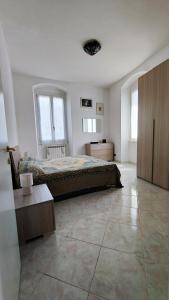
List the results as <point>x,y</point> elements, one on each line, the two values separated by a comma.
<point>26,118</point>
<point>77,91</point>
<point>115,119</point>
<point>7,85</point>
<point>115,97</point>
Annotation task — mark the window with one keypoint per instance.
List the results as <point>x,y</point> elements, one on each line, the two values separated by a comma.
<point>51,119</point>
<point>134,113</point>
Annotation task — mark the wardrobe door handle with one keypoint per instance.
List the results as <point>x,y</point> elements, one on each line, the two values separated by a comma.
<point>153,144</point>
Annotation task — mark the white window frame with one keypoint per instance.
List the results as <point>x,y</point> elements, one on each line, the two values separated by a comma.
<point>51,95</point>
<point>132,90</point>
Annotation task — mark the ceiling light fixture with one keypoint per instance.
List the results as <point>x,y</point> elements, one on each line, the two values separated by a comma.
<point>91,47</point>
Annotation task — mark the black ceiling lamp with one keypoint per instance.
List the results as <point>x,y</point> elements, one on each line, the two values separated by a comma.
<point>91,47</point>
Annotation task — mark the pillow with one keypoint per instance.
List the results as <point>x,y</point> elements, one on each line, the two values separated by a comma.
<point>30,166</point>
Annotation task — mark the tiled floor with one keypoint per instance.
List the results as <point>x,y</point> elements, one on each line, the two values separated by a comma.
<point>110,245</point>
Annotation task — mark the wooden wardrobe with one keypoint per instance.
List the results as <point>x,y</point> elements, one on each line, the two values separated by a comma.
<point>153,126</point>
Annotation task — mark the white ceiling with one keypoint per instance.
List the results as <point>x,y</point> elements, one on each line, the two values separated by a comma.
<point>45,37</point>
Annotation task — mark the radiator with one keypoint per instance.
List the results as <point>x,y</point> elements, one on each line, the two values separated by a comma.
<point>56,151</point>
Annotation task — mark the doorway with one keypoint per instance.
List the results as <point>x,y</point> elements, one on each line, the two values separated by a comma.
<point>129,119</point>
<point>9,249</point>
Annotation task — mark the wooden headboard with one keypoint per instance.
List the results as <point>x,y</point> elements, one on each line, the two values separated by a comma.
<point>15,157</point>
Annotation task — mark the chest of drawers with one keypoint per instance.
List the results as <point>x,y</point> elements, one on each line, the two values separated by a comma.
<point>101,150</point>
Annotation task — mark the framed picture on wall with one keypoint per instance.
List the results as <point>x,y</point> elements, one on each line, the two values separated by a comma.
<point>100,108</point>
<point>86,102</point>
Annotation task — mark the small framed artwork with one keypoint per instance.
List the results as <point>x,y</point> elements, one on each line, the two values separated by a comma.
<point>100,108</point>
<point>86,102</point>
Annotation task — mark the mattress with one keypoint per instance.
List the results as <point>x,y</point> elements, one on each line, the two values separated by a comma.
<point>69,175</point>
<point>63,165</point>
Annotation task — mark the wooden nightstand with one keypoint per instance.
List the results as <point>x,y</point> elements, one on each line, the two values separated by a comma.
<point>34,213</point>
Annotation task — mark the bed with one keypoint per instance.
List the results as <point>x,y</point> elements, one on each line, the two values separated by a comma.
<point>69,175</point>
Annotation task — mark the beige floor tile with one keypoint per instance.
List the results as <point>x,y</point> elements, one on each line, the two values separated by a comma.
<point>124,238</point>
<point>125,215</point>
<point>157,281</point>
<point>52,289</point>
<point>152,223</point>
<point>90,229</point>
<point>24,296</point>
<point>128,201</point>
<point>29,281</point>
<point>133,220</point>
<point>127,190</point>
<point>40,253</point>
<point>74,262</point>
<point>119,276</point>
<point>94,297</point>
<point>95,205</point>
<point>153,202</point>
<point>156,249</point>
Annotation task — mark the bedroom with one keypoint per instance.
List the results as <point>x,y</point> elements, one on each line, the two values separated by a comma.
<point>108,243</point>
